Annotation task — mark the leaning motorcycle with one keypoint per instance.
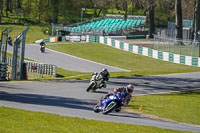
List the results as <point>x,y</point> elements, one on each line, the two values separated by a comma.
<point>95,82</point>
<point>109,104</point>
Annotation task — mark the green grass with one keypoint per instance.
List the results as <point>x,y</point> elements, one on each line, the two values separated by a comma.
<point>66,74</point>
<point>61,73</point>
<point>139,65</point>
<point>181,107</point>
<point>34,33</point>
<point>17,120</point>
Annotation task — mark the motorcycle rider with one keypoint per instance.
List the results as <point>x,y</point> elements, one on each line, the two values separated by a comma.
<point>42,44</point>
<point>125,92</point>
<point>105,75</point>
<point>9,41</point>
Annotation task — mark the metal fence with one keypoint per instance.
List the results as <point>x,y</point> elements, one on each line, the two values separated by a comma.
<point>172,32</point>
<point>39,68</point>
<point>176,46</point>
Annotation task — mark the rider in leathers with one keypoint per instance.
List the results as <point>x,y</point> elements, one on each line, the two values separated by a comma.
<point>125,92</point>
<point>105,74</point>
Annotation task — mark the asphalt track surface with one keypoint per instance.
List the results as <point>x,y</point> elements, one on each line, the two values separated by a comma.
<point>65,61</point>
<point>69,98</point>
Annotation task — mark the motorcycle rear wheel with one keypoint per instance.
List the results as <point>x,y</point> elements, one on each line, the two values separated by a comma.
<point>110,107</point>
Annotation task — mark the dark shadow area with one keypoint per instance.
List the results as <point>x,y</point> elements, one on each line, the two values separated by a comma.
<point>155,83</point>
<point>70,81</point>
<point>126,115</point>
<point>150,84</point>
<point>100,92</point>
<point>48,100</point>
<point>10,86</point>
<point>59,76</point>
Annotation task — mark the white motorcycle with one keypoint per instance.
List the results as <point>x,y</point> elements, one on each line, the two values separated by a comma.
<point>95,82</point>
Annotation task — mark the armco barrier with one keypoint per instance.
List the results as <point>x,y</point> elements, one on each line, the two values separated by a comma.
<point>165,56</point>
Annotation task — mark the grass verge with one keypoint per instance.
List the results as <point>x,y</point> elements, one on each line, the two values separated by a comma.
<point>34,33</point>
<point>61,73</point>
<point>181,107</point>
<point>139,65</point>
<point>17,120</point>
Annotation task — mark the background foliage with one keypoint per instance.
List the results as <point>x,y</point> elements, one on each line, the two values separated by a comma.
<point>69,11</point>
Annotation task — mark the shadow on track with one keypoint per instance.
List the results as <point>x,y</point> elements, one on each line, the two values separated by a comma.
<point>154,83</point>
<point>48,100</point>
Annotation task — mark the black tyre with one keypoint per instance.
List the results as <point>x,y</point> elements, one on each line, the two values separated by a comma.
<point>96,109</point>
<point>110,107</point>
<point>90,87</point>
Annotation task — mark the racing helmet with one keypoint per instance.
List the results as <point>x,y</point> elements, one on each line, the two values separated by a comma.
<point>105,71</point>
<point>130,88</point>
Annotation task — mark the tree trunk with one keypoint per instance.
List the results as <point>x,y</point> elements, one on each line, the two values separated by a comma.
<point>19,4</point>
<point>194,22</point>
<point>151,18</point>
<point>179,26</point>
<point>55,11</point>
<point>132,7</point>
<point>197,17</point>
<point>39,10</point>
<point>10,6</point>
<point>125,9</point>
<point>100,10</point>
<point>1,9</point>
<point>95,12</point>
<point>117,5</point>
<point>7,7</point>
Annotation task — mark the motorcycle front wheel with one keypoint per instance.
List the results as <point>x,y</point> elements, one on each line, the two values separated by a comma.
<point>90,87</point>
<point>96,109</point>
<point>110,107</point>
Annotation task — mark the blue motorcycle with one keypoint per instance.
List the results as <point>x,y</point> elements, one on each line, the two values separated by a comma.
<point>109,104</point>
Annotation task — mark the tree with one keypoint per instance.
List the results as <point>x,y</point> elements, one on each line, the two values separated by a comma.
<point>151,18</point>
<point>125,5</point>
<point>197,17</point>
<point>1,9</point>
<point>55,9</point>
<point>179,21</point>
<point>7,7</point>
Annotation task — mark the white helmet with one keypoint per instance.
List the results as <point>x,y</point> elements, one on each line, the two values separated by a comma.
<point>130,88</point>
<point>105,71</point>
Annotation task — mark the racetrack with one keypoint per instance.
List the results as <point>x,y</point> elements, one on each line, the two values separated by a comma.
<point>69,98</point>
<point>65,61</point>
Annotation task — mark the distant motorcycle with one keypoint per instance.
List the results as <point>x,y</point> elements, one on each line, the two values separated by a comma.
<point>95,82</point>
<point>42,49</point>
<point>109,104</point>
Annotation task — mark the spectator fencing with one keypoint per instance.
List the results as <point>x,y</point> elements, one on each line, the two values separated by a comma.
<point>39,68</point>
<point>177,46</point>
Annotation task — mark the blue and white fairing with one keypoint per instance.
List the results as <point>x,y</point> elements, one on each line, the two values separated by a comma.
<point>117,98</point>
